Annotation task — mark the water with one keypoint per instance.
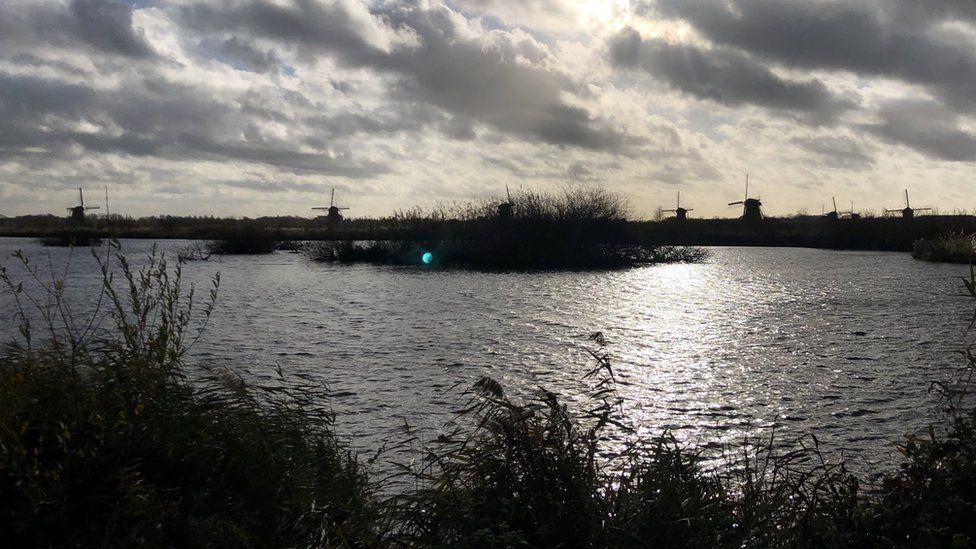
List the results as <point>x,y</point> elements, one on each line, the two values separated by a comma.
<point>843,345</point>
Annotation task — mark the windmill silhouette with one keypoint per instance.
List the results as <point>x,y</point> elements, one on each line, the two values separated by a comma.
<point>833,215</point>
<point>504,210</point>
<point>333,216</point>
<point>907,212</point>
<point>77,213</point>
<point>681,214</point>
<point>751,207</point>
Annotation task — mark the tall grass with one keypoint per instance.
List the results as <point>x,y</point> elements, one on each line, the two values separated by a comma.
<point>953,248</point>
<point>539,473</point>
<point>244,239</point>
<point>111,440</point>
<point>578,228</point>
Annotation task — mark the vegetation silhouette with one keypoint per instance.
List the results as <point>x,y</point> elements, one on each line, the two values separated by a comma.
<point>848,231</point>
<point>953,248</point>
<point>243,240</point>
<point>577,228</point>
<point>109,437</point>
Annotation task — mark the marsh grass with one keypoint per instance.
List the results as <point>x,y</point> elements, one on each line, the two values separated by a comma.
<point>195,251</point>
<point>953,248</point>
<point>244,239</point>
<point>110,440</point>
<point>542,473</point>
<point>578,228</point>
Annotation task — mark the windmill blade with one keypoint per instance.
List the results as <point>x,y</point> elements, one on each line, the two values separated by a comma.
<point>835,203</point>
<point>321,208</point>
<point>342,208</point>
<point>907,203</point>
<point>689,209</point>
<point>736,203</point>
<point>669,211</point>
<point>93,207</point>
<point>922,209</point>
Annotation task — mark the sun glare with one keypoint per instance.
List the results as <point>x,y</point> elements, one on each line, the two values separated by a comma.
<point>605,12</point>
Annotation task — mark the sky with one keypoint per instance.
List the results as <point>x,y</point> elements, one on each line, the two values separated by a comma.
<point>261,107</point>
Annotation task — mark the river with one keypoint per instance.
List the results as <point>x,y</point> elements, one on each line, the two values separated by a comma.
<point>843,345</point>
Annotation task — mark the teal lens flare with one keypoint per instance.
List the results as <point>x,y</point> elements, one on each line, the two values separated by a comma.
<point>427,258</point>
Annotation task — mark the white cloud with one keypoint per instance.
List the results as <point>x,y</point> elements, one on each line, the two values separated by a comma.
<point>251,107</point>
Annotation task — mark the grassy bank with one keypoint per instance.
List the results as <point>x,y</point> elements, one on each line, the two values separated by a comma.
<point>114,440</point>
<point>866,233</point>
<point>955,248</point>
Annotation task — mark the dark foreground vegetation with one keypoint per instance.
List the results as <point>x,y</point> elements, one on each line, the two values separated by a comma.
<point>954,248</point>
<point>109,438</point>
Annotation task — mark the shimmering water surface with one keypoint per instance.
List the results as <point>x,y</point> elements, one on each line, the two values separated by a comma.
<point>843,345</point>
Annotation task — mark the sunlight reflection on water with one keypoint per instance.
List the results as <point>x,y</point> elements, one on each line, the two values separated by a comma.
<point>843,345</point>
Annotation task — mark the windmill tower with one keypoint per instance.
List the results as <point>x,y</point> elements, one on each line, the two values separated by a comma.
<point>907,213</point>
<point>77,213</point>
<point>681,214</point>
<point>504,210</point>
<point>751,207</point>
<point>332,217</point>
<point>833,215</point>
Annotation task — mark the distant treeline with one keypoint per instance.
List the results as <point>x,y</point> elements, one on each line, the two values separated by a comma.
<point>879,233</point>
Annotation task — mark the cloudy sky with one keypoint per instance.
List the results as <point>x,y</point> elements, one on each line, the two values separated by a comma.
<point>259,107</point>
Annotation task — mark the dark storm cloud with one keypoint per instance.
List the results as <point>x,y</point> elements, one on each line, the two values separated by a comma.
<point>502,82</point>
<point>915,10</point>
<point>867,38</point>
<point>724,76</point>
<point>103,25</point>
<point>157,118</point>
<point>927,127</point>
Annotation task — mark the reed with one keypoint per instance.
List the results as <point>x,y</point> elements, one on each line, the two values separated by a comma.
<point>952,248</point>
<point>111,440</point>
<point>575,229</point>
<point>243,242</point>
